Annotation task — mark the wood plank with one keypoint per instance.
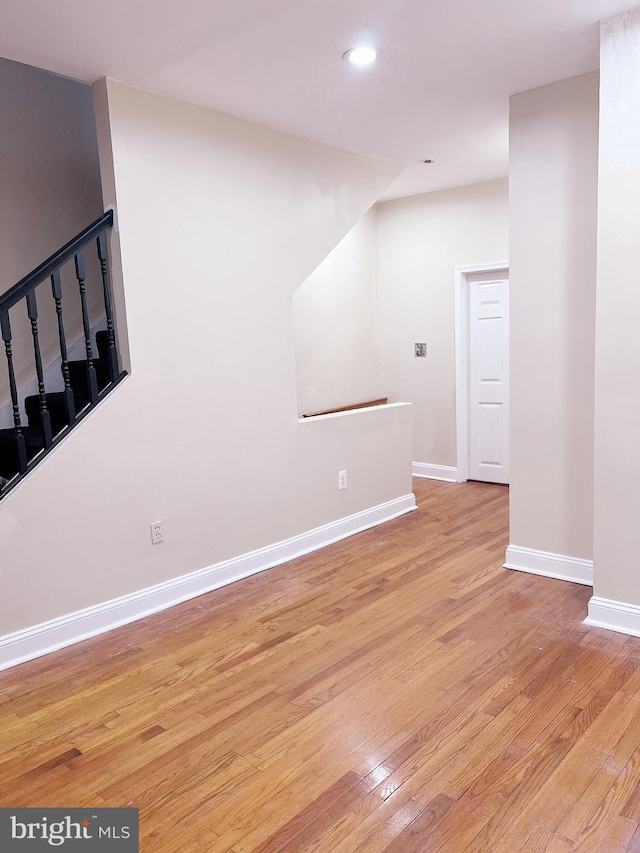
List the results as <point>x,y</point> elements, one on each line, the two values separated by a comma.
<point>398,691</point>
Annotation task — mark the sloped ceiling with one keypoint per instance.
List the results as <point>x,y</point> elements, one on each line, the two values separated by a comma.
<point>440,89</point>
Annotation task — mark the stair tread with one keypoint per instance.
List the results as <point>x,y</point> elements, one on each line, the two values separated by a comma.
<point>102,342</point>
<point>55,395</point>
<point>56,407</point>
<point>32,438</point>
<point>79,379</point>
<point>34,443</point>
<point>26,431</point>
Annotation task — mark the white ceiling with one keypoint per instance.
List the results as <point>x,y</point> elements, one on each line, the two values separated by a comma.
<point>440,89</point>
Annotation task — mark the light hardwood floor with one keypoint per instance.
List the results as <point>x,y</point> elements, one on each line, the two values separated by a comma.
<point>399,691</point>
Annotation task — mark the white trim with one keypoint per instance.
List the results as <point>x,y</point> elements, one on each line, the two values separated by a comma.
<point>435,472</point>
<point>614,615</point>
<point>64,631</point>
<point>549,565</point>
<point>461,328</point>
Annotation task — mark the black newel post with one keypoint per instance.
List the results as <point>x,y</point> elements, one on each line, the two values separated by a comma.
<point>21,449</point>
<point>111,335</point>
<point>91,371</point>
<point>45,420</point>
<point>69,402</point>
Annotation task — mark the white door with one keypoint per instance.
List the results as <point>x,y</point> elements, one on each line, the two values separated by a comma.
<point>489,377</point>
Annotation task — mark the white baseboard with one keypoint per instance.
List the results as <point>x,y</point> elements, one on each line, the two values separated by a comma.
<point>435,472</point>
<point>549,565</point>
<point>64,631</point>
<point>614,615</point>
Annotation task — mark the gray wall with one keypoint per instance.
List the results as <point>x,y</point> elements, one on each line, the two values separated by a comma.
<point>204,433</point>
<point>617,409</point>
<point>553,213</point>
<point>420,242</point>
<point>335,314</point>
<point>49,190</point>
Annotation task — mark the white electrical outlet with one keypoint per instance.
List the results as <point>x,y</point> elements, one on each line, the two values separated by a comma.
<point>156,532</point>
<point>342,480</point>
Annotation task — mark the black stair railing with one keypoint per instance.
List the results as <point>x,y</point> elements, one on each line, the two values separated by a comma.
<point>50,415</point>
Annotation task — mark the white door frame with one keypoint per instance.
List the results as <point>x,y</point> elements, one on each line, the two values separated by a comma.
<point>461,319</point>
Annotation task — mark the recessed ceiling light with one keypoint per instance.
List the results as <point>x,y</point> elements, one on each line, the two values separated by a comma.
<point>362,55</point>
<point>427,162</point>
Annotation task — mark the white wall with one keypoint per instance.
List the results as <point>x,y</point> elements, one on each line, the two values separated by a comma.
<point>420,241</point>
<point>49,191</point>
<point>553,208</point>
<point>617,405</point>
<point>220,221</point>
<point>335,316</point>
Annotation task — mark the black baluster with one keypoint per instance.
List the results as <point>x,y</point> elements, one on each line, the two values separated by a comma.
<point>69,402</point>
<point>111,336</point>
<point>21,449</point>
<point>45,420</point>
<point>91,371</point>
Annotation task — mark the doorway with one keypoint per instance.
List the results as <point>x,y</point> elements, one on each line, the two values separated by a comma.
<point>482,372</point>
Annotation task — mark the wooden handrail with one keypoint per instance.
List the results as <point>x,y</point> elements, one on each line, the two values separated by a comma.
<point>381,402</point>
